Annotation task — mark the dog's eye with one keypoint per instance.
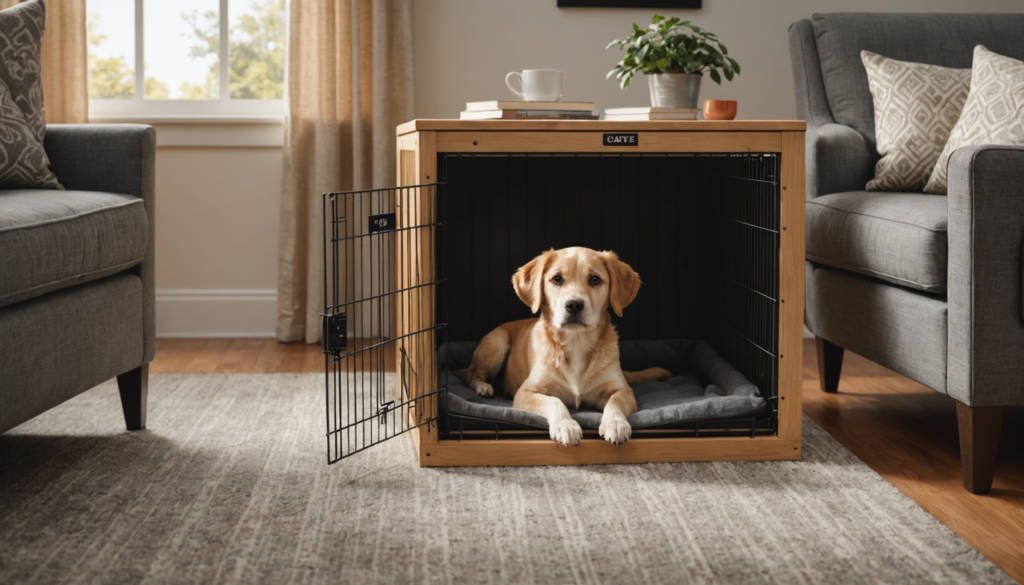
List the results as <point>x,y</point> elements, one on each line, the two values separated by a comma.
<point>595,280</point>
<point>557,279</point>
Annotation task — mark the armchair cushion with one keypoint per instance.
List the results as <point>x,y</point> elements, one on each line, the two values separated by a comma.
<point>51,240</point>
<point>897,237</point>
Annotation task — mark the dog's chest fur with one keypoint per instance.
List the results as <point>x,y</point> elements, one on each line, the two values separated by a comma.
<point>577,366</point>
<point>570,366</point>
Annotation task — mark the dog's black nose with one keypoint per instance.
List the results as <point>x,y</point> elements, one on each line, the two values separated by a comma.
<point>573,307</point>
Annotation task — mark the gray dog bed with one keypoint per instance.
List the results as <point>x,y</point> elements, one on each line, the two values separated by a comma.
<point>704,386</point>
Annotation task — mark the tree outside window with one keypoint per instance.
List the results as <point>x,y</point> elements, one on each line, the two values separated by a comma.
<point>256,55</point>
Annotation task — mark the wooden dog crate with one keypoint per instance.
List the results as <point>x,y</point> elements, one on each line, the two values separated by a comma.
<point>625,186</point>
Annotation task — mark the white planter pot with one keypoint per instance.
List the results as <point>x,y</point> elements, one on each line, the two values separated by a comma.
<point>674,90</point>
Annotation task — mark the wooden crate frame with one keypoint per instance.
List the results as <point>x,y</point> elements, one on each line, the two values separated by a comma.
<point>419,143</point>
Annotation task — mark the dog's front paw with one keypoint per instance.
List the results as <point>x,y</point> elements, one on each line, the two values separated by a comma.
<point>616,431</point>
<point>567,432</point>
<point>483,389</point>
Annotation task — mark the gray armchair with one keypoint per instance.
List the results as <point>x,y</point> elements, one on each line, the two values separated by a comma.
<point>76,274</point>
<point>927,285</point>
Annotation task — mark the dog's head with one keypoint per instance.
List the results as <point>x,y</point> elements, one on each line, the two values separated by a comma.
<point>573,286</point>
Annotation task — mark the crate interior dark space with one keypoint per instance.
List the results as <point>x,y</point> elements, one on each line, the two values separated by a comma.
<point>702,231</point>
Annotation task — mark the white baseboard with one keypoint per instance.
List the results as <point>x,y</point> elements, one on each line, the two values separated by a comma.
<point>217,312</point>
<point>224,312</point>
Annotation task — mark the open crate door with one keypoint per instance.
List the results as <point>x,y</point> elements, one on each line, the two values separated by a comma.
<point>382,320</point>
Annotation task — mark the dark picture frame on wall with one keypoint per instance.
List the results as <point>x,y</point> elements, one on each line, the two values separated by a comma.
<point>629,3</point>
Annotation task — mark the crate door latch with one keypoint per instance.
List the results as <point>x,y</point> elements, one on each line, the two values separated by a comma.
<point>335,337</point>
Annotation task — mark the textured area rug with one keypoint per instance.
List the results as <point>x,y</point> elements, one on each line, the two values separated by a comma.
<point>230,484</point>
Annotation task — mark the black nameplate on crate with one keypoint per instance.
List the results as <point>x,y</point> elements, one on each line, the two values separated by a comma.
<point>621,140</point>
<point>382,223</point>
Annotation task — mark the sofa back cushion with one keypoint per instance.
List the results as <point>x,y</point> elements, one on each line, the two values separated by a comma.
<point>947,40</point>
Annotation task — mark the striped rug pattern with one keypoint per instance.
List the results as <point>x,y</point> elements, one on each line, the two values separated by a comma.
<point>230,485</point>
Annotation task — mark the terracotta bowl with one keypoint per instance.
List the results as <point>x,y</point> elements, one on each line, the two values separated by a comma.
<point>719,109</point>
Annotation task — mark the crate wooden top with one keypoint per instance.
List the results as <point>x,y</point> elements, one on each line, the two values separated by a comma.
<point>604,126</point>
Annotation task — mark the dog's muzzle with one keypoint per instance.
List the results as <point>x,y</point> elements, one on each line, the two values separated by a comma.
<point>574,307</point>
<point>573,311</point>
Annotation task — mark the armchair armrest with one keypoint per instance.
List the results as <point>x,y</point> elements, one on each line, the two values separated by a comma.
<point>986,232</point>
<point>113,158</point>
<point>839,159</point>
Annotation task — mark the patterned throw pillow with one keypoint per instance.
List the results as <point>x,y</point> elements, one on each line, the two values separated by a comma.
<point>916,107</point>
<point>993,114</point>
<point>23,162</point>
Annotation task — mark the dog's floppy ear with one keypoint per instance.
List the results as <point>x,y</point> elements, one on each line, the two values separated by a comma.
<point>624,282</point>
<point>529,282</point>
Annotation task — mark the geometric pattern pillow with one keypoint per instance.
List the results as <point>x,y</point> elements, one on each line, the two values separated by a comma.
<point>23,162</point>
<point>993,114</point>
<point>916,107</point>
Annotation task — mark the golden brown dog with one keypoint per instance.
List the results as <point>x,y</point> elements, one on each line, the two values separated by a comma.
<point>569,357</point>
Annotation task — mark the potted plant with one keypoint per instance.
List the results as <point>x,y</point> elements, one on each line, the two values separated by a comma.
<point>674,55</point>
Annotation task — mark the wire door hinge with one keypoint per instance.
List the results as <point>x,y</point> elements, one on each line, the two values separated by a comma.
<point>335,336</point>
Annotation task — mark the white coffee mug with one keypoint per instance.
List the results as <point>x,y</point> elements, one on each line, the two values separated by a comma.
<point>539,85</point>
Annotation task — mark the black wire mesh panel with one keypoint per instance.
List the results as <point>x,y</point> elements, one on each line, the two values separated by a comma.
<point>382,293</point>
<point>741,211</point>
<point>702,230</point>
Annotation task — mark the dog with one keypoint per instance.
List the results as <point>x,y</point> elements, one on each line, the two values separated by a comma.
<point>569,357</point>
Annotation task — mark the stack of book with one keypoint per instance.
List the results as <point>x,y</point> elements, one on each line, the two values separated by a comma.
<point>509,110</point>
<point>633,114</point>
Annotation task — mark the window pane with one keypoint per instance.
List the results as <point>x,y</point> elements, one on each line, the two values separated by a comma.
<point>256,48</point>
<point>111,36</point>
<point>182,41</point>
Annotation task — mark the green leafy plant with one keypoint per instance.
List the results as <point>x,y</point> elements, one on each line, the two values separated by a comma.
<point>670,45</point>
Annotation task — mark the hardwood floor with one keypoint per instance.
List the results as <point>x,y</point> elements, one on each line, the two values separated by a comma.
<point>252,356</point>
<point>902,430</point>
<point>908,434</point>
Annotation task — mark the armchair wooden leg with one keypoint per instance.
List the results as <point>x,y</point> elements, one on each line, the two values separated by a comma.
<point>134,388</point>
<point>830,364</point>
<point>979,441</point>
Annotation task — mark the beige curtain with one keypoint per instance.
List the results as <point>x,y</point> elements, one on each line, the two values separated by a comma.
<point>65,69</point>
<point>350,82</point>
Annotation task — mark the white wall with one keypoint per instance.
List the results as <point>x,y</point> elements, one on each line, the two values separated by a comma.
<point>218,190</point>
<point>218,186</point>
<point>464,48</point>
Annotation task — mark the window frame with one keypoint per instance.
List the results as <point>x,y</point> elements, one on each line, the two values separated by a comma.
<point>223,107</point>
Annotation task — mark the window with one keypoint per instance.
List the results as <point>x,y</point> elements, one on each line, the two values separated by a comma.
<point>186,57</point>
